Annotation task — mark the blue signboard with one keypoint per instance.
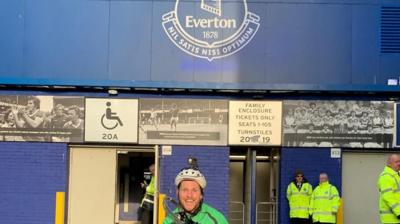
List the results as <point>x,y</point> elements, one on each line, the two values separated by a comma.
<point>208,44</point>
<point>397,107</point>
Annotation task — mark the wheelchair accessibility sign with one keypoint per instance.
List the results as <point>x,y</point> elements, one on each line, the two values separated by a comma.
<point>111,120</point>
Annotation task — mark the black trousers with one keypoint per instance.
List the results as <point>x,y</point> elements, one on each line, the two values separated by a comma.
<point>299,221</point>
<point>145,216</point>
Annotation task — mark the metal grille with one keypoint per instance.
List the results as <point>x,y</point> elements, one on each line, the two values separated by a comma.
<point>266,213</point>
<point>236,212</point>
<point>390,29</point>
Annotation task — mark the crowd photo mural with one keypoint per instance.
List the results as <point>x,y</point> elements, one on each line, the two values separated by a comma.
<point>41,118</point>
<point>353,124</point>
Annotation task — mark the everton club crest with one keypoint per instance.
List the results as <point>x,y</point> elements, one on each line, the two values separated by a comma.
<point>210,29</point>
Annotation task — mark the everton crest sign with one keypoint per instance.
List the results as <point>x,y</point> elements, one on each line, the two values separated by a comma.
<point>210,29</point>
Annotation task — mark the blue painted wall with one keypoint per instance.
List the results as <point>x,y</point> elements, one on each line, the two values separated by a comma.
<point>301,44</point>
<point>31,174</point>
<point>213,163</point>
<point>312,162</point>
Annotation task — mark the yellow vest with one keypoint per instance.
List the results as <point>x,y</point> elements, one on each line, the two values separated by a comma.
<point>324,204</point>
<point>151,188</point>
<point>389,196</point>
<point>299,200</point>
<point>148,199</point>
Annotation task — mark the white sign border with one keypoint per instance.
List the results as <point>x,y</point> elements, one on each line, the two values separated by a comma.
<point>112,142</point>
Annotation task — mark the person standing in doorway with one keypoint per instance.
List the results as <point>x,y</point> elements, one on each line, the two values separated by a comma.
<point>147,206</point>
<point>325,201</point>
<point>298,194</point>
<point>389,194</point>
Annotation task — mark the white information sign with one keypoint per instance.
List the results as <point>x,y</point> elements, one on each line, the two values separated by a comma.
<point>111,120</point>
<point>255,122</point>
<point>336,153</point>
<point>166,150</point>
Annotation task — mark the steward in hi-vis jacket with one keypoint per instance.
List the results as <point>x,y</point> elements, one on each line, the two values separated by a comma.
<point>298,194</point>
<point>325,201</point>
<point>146,209</point>
<point>389,191</point>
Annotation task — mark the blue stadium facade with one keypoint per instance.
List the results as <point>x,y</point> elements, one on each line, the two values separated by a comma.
<point>294,50</point>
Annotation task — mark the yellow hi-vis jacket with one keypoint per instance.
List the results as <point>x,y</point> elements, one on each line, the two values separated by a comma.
<point>389,196</point>
<point>148,199</point>
<point>151,188</point>
<point>299,200</point>
<point>324,203</point>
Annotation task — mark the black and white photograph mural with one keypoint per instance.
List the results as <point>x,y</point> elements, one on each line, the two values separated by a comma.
<point>183,121</point>
<point>41,118</point>
<point>353,124</point>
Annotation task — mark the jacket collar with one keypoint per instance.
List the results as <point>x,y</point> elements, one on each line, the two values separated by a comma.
<point>389,170</point>
<point>324,184</point>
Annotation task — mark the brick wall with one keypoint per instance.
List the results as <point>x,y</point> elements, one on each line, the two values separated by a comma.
<point>30,176</point>
<point>214,164</point>
<point>312,162</point>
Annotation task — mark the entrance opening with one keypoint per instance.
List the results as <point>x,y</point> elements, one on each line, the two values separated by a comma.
<point>107,185</point>
<point>255,196</point>
<point>133,178</point>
